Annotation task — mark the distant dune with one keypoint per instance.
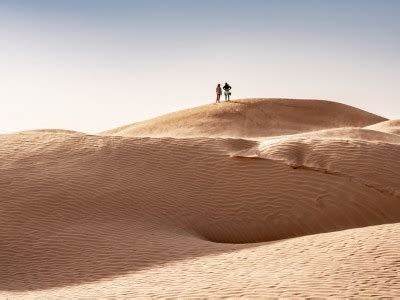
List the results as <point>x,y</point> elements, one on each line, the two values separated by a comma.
<point>49,131</point>
<point>254,198</point>
<point>251,118</point>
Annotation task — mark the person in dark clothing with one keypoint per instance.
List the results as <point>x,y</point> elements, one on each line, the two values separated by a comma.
<point>219,92</point>
<point>227,91</point>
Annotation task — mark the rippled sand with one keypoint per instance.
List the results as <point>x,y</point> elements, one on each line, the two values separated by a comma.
<point>276,197</point>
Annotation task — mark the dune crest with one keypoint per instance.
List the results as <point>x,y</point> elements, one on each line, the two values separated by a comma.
<point>249,118</point>
<point>313,212</point>
<point>390,126</point>
<point>377,163</point>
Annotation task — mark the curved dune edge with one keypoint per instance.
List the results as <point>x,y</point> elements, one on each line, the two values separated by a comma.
<point>91,216</point>
<point>377,164</point>
<point>350,133</point>
<point>361,263</point>
<point>390,126</point>
<point>49,131</point>
<point>251,118</point>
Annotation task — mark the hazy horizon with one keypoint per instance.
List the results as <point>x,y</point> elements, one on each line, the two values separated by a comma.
<point>94,65</point>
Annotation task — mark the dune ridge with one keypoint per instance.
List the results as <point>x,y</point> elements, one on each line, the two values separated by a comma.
<point>390,126</point>
<point>50,131</point>
<point>251,118</point>
<point>313,213</point>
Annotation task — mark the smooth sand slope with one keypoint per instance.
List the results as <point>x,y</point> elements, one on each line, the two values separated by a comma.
<point>251,118</point>
<point>308,214</point>
<point>391,126</point>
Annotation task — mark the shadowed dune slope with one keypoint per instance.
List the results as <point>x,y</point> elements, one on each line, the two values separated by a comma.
<point>251,118</point>
<point>117,216</point>
<point>357,263</point>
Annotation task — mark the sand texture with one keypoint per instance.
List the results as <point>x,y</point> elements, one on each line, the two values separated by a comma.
<point>391,126</point>
<point>249,198</point>
<point>251,118</point>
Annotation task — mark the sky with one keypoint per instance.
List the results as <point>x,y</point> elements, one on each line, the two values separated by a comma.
<point>91,65</point>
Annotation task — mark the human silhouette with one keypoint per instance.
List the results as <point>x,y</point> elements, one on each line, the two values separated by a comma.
<point>227,91</point>
<point>219,92</point>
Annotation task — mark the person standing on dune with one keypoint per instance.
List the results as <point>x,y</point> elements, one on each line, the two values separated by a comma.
<point>219,93</point>
<point>227,91</point>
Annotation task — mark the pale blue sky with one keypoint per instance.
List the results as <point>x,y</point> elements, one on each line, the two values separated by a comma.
<point>93,65</point>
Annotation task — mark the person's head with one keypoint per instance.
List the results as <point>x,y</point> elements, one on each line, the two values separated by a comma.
<point>219,84</point>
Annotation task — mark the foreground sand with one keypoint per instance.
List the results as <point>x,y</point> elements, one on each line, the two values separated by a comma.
<point>302,213</point>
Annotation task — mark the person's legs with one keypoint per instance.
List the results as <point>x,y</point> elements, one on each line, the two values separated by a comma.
<point>218,95</point>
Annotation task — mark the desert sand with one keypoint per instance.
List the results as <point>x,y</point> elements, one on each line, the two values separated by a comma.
<point>257,197</point>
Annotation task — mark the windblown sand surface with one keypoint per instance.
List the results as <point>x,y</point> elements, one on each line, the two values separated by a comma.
<point>251,118</point>
<point>391,126</point>
<point>278,198</point>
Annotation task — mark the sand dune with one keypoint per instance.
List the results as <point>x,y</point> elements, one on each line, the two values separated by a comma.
<point>307,214</point>
<point>391,126</point>
<point>251,118</point>
<point>55,131</point>
<point>346,133</point>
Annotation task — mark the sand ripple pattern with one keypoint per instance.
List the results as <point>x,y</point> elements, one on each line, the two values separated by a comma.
<point>109,216</point>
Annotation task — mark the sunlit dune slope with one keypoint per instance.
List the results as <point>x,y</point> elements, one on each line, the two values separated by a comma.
<point>117,216</point>
<point>251,118</point>
<point>275,197</point>
<point>390,126</point>
<point>346,133</point>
